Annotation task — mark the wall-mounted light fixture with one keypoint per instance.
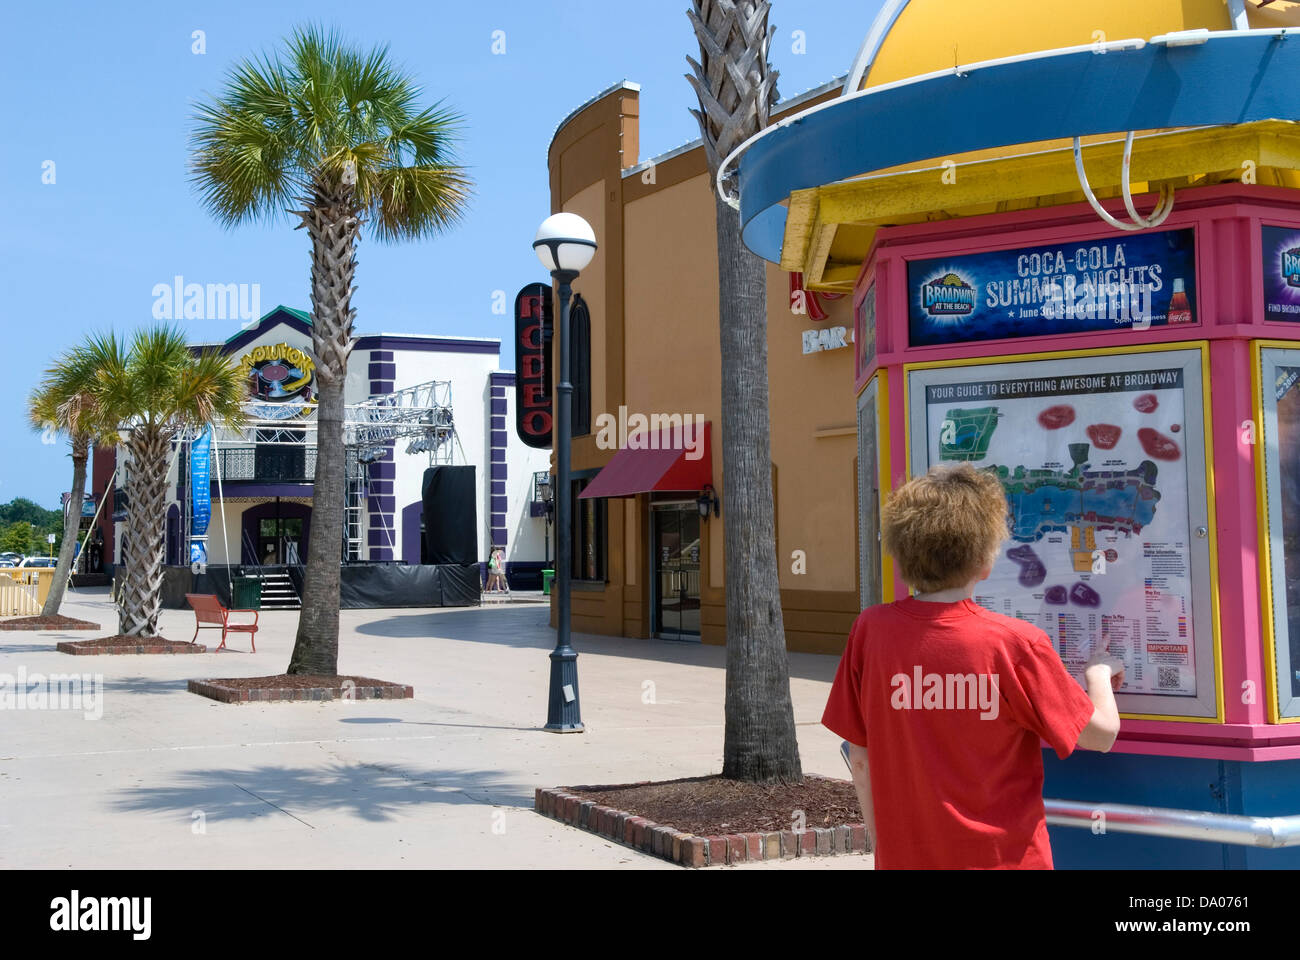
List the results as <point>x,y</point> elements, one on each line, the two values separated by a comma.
<point>708,498</point>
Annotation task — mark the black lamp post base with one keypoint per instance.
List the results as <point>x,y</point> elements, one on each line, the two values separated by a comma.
<point>563,714</point>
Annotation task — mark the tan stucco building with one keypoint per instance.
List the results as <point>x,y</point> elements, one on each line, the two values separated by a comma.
<point>648,565</point>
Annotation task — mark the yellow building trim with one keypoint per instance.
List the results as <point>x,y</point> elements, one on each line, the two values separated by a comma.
<point>882,464</point>
<point>1264,561</point>
<point>1207,431</point>
<point>1268,151</point>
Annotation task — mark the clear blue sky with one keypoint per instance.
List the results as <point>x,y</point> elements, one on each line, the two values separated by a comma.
<point>105,90</point>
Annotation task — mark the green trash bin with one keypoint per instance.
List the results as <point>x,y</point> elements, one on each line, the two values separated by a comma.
<point>547,577</point>
<point>246,593</point>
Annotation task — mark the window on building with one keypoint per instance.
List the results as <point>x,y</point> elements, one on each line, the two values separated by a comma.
<point>580,365</point>
<point>590,523</point>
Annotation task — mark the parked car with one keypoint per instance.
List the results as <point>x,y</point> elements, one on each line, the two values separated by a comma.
<point>30,562</point>
<point>10,559</point>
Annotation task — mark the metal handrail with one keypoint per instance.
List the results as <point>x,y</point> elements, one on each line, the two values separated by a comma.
<point>1204,825</point>
<point>1242,830</point>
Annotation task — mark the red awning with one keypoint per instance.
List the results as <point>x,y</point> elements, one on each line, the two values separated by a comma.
<point>679,461</point>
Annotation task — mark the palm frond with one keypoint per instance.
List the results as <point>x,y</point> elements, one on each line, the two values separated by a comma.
<point>286,125</point>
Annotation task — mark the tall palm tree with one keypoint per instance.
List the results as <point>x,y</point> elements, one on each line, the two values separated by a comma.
<point>155,388</point>
<point>64,402</point>
<point>736,87</point>
<point>340,133</point>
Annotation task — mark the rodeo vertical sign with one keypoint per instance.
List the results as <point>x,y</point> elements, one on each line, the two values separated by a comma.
<point>201,496</point>
<point>533,357</point>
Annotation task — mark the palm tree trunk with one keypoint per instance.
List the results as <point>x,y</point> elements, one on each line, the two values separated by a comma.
<point>736,87</point>
<point>146,490</point>
<point>331,219</point>
<point>71,524</point>
<point>759,743</point>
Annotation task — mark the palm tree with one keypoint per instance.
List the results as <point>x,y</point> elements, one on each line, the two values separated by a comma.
<point>736,87</point>
<point>340,133</point>
<point>64,401</point>
<point>156,389</point>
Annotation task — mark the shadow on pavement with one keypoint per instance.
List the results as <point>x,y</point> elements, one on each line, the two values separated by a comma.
<point>372,792</point>
<point>530,628</point>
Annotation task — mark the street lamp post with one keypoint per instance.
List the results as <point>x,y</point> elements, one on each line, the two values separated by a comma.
<point>565,243</point>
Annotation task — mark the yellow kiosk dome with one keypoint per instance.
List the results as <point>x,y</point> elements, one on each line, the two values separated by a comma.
<point>911,38</point>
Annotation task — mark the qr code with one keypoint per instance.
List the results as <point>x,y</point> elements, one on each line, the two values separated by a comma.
<point>1168,678</point>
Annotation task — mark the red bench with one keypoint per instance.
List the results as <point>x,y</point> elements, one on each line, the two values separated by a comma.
<point>209,614</point>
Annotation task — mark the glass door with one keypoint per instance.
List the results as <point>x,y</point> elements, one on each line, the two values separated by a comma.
<point>675,540</point>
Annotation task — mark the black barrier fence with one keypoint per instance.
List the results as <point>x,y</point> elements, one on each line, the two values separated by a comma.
<point>361,585</point>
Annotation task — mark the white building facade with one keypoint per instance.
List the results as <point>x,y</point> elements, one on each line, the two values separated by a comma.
<point>262,477</point>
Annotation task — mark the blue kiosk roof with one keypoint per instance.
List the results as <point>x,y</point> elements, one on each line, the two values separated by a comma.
<point>1192,79</point>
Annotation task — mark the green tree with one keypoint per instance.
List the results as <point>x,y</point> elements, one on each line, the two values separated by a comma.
<point>154,389</point>
<point>18,538</point>
<point>736,87</point>
<point>339,132</point>
<point>21,508</point>
<point>64,401</point>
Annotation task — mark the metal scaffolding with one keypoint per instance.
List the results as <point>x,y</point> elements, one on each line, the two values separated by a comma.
<point>421,415</point>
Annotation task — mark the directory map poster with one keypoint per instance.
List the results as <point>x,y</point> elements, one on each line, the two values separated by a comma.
<point>1102,460</point>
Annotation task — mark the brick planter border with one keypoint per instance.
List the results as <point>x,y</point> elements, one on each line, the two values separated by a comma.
<point>74,625</point>
<point>83,648</point>
<point>687,849</point>
<point>224,694</point>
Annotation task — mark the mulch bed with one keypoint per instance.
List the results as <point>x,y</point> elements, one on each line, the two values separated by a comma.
<point>122,644</point>
<point>703,821</point>
<point>299,686</point>
<point>55,622</point>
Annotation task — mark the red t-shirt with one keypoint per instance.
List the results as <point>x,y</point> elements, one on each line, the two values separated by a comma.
<point>951,701</point>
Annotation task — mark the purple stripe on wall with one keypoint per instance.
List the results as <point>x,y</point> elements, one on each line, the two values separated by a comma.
<point>255,488</point>
<point>499,487</point>
<point>498,538</point>
<point>381,553</point>
<point>498,471</point>
<point>381,386</point>
<point>501,379</point>
<point>376,356</point>
<point>382,504</point>
<point>499,505</point>
<point>499,407</point>
<point>380,486</point>
<point>440,345</point>
<point>498,423</point>
<point>499,439</point>
<point>498,393</point>
<point>379,538</point>
<point>383,371</point>
<point>383,470</point>
<point>498,455</point>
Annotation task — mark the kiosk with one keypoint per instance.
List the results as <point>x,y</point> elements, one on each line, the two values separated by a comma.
<point>1110,322</point>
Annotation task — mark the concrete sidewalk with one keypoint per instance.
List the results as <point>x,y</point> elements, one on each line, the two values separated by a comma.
<point>169,779</point>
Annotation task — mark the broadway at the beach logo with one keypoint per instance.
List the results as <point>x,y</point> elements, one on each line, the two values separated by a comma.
<point>1291,266</point>
<point>950,296</point>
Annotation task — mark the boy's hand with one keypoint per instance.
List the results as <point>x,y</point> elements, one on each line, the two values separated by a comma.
<point>1113,665</point>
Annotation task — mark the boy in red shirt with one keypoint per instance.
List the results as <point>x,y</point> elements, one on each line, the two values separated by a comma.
<point>952,699</point>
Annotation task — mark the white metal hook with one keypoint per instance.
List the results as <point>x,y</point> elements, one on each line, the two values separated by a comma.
<point>1164,207</point>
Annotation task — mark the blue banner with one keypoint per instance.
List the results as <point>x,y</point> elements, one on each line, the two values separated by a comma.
<point>201,496</point>
<point>1140,281</point>
<point>1281,247</point>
